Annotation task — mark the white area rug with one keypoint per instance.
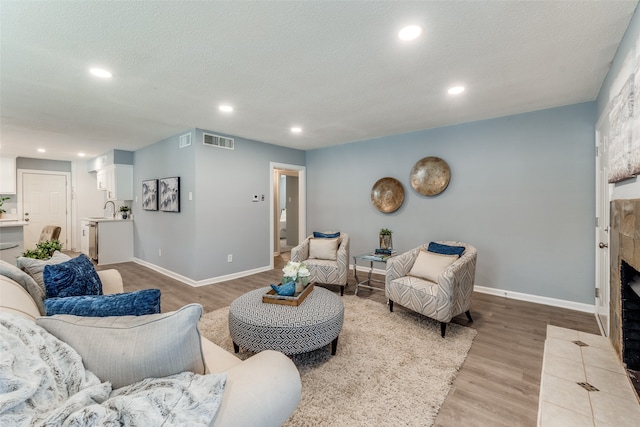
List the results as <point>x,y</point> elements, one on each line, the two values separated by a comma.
<point>389,369</point>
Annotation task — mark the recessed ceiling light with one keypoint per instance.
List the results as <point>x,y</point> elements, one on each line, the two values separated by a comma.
<point>296,129</point>
<point>411,32</point>
<point>226,108</point>
<point>456,90</point>
<point>99,72</point>
<point>81,154</point>
<point>41,150</point>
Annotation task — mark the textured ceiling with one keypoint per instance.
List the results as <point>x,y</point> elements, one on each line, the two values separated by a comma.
<point>336,69</point>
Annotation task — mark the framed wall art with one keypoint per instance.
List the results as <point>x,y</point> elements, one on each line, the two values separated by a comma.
<point>169,194</point>
<point>150,195</point>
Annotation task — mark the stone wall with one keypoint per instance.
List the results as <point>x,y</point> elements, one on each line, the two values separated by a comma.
<point>624,244</point>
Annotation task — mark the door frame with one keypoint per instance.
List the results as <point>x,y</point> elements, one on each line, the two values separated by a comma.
<point>20,172</point>
<point>602,226</point>
<point>302,203</point>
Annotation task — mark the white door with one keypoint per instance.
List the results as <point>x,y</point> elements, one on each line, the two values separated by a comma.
<point>602,229</point>
<point>45,201</point>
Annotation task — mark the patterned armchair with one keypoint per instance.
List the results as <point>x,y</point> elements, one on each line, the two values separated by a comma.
<point>325,271</point>
<point>442,301</point>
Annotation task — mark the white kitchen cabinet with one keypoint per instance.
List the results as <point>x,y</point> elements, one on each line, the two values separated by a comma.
<point>101,179</point>
<point>7,175</point>
<point>117,181</point>
<point>115,241</point>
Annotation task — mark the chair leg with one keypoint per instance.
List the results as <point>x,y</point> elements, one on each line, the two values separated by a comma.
<point>391,306</point>
<point>342,290</point>
<point>443,328</point>
<point>468,313</point>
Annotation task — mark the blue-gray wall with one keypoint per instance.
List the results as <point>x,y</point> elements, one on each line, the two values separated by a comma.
<point>221,218</point>
<point>521,191</point>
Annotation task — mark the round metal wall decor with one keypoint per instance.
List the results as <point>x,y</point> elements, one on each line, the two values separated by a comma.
<point>430,176</point>
<point>387,195</point>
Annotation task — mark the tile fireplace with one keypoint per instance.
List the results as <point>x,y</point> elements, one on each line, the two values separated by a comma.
<point>624,252</point>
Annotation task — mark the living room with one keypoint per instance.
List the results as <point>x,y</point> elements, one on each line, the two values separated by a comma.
<point>522,191</point>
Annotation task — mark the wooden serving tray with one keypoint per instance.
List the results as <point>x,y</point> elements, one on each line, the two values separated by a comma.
<point>272,298</point>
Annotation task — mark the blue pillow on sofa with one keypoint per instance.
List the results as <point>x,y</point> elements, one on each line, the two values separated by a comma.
<point>438,248</point>
<point>136,303</point>
<point>75,277</point>
<point>320,235</point>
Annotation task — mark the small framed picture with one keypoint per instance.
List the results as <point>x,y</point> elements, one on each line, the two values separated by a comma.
<point>150,195</point>
<point>169,194</point>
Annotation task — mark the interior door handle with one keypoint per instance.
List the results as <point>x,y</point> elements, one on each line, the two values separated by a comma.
<point>603,245</point>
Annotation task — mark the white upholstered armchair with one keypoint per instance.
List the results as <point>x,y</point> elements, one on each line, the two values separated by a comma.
<point>327,259</point>
<point>440,289</point>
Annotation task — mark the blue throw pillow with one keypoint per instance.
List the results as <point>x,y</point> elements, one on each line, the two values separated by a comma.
<point>136,303</point>
<point>75,277</point>
<point>438,248</point>
<point>319,235</point>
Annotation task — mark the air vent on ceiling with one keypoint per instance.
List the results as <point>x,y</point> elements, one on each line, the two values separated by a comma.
<point>217,141</point>
<point>185,140</point>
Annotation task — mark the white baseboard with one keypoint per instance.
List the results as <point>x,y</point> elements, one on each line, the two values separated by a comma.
<point>586,308</point>
<point>203,282</point>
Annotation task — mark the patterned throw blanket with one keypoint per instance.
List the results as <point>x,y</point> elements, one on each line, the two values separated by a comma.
<point>43,382</point>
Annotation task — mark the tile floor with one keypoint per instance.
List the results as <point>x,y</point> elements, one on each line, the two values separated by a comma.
<point>565,403</point>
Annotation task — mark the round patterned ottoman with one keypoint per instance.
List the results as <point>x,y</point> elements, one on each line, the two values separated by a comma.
<point>256,326</point>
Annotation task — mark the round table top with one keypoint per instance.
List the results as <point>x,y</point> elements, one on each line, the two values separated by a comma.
<point>319,306</point>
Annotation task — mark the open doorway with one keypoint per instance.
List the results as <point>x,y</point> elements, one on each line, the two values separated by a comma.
<point>288,201</point>
<point>286,209</point>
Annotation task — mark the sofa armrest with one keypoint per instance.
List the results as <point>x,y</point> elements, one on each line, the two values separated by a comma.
<point>342,258</point>
<point>457,281</point>
<point>400,265</point>
<point>300,252</point>
<point>264,390</point>
<point>111,281</point>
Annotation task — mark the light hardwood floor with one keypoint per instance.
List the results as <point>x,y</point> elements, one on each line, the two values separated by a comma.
<point>498,384</point>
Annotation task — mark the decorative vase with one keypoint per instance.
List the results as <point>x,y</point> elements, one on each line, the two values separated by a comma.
<point>301,283</point>
<point>386,241</point>
<point>125,215</point>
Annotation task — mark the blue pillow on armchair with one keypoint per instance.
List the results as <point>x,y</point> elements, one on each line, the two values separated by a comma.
<point>75,277</point>
<point>136,303</point>
<point>439,248</point>
<point>320,235</point>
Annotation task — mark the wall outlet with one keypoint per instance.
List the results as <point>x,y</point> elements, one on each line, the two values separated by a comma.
<point>159,252</point>
<point>255,198</point>
<point>230,258</point>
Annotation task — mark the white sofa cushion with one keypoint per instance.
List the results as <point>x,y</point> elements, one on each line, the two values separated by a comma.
<point>35,269</point>
<point>323,249</point>
<point>13,273</point>
<point>429,265</point>
<point>127,349</point>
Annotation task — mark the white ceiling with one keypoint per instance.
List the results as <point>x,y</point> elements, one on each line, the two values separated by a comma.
<point>336,69</point>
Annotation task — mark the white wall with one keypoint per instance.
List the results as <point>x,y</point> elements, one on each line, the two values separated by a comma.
<point>87,199</point>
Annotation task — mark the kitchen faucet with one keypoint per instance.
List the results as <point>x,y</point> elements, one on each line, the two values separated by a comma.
<point>114,207</point>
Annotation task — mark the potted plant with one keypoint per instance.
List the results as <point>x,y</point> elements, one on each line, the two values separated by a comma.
<point>297,272</point>
<point>385,239</point>
<point>2,199</point>
<point>125,211</point>
<point>43,250</point>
